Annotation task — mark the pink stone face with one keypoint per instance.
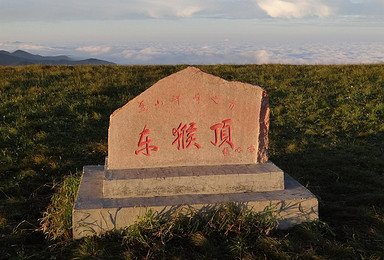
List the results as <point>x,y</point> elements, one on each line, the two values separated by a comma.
<point>190,118</point>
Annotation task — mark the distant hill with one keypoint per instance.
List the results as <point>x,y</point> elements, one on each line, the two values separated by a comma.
<point>20,57</point>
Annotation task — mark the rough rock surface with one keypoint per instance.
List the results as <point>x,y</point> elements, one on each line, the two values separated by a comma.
<point>190,118</point>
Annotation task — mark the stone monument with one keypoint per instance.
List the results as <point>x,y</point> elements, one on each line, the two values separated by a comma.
<point>191,139</point>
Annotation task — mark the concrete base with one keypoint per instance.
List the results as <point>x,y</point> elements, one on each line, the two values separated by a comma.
<point>94,214</point>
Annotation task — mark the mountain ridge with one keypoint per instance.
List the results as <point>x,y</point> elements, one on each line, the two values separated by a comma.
<point>20,57</point>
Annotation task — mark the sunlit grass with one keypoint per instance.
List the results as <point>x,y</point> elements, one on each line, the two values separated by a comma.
<point>327,130</point>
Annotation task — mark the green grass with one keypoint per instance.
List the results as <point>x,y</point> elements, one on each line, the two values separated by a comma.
<point>56,222</point>
<point>327,131</point>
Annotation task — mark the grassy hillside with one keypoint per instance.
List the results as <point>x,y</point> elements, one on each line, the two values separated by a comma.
<point>327,131</point>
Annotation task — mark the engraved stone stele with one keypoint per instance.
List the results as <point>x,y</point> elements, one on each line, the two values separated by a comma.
<point>191,118</point>
<point>191,139</point>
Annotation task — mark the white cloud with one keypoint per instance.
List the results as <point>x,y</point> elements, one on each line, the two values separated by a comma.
<point>245,53</point>
<point>128,53</point>
<point>262,57</point>
<point>294,8</point>
<point>101,10</point>
<point>94,49</point>
<point>12,46</point>
<point>148,55</point>
<point>149,51</point>
<point>70,10</point>
<point>58,10</point>
<point>227,52</point>
<point>187,12</point>
<point>31,47</point>
<point>170,9</point>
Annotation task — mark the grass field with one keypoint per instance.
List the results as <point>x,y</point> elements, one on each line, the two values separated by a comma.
<point>327,131</point>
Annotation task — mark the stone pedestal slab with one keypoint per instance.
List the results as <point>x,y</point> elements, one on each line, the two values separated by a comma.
<point>182,180</point>
<point>94,214</point>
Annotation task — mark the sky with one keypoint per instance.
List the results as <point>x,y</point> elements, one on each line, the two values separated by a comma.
<point>197,31</point>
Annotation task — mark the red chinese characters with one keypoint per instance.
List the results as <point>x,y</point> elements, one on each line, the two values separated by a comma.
<point>144,142</point>
<point>197,98</point>
<point>226,151</point>
<point>185,136</point>
<point>159,103</point>
<point>251,148</point>
<point>223,133</point>
<point>177,99</point>
<point>215,99</point>
<point>142,106</point>
<point>239,150</point>
<point>232,104</point>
